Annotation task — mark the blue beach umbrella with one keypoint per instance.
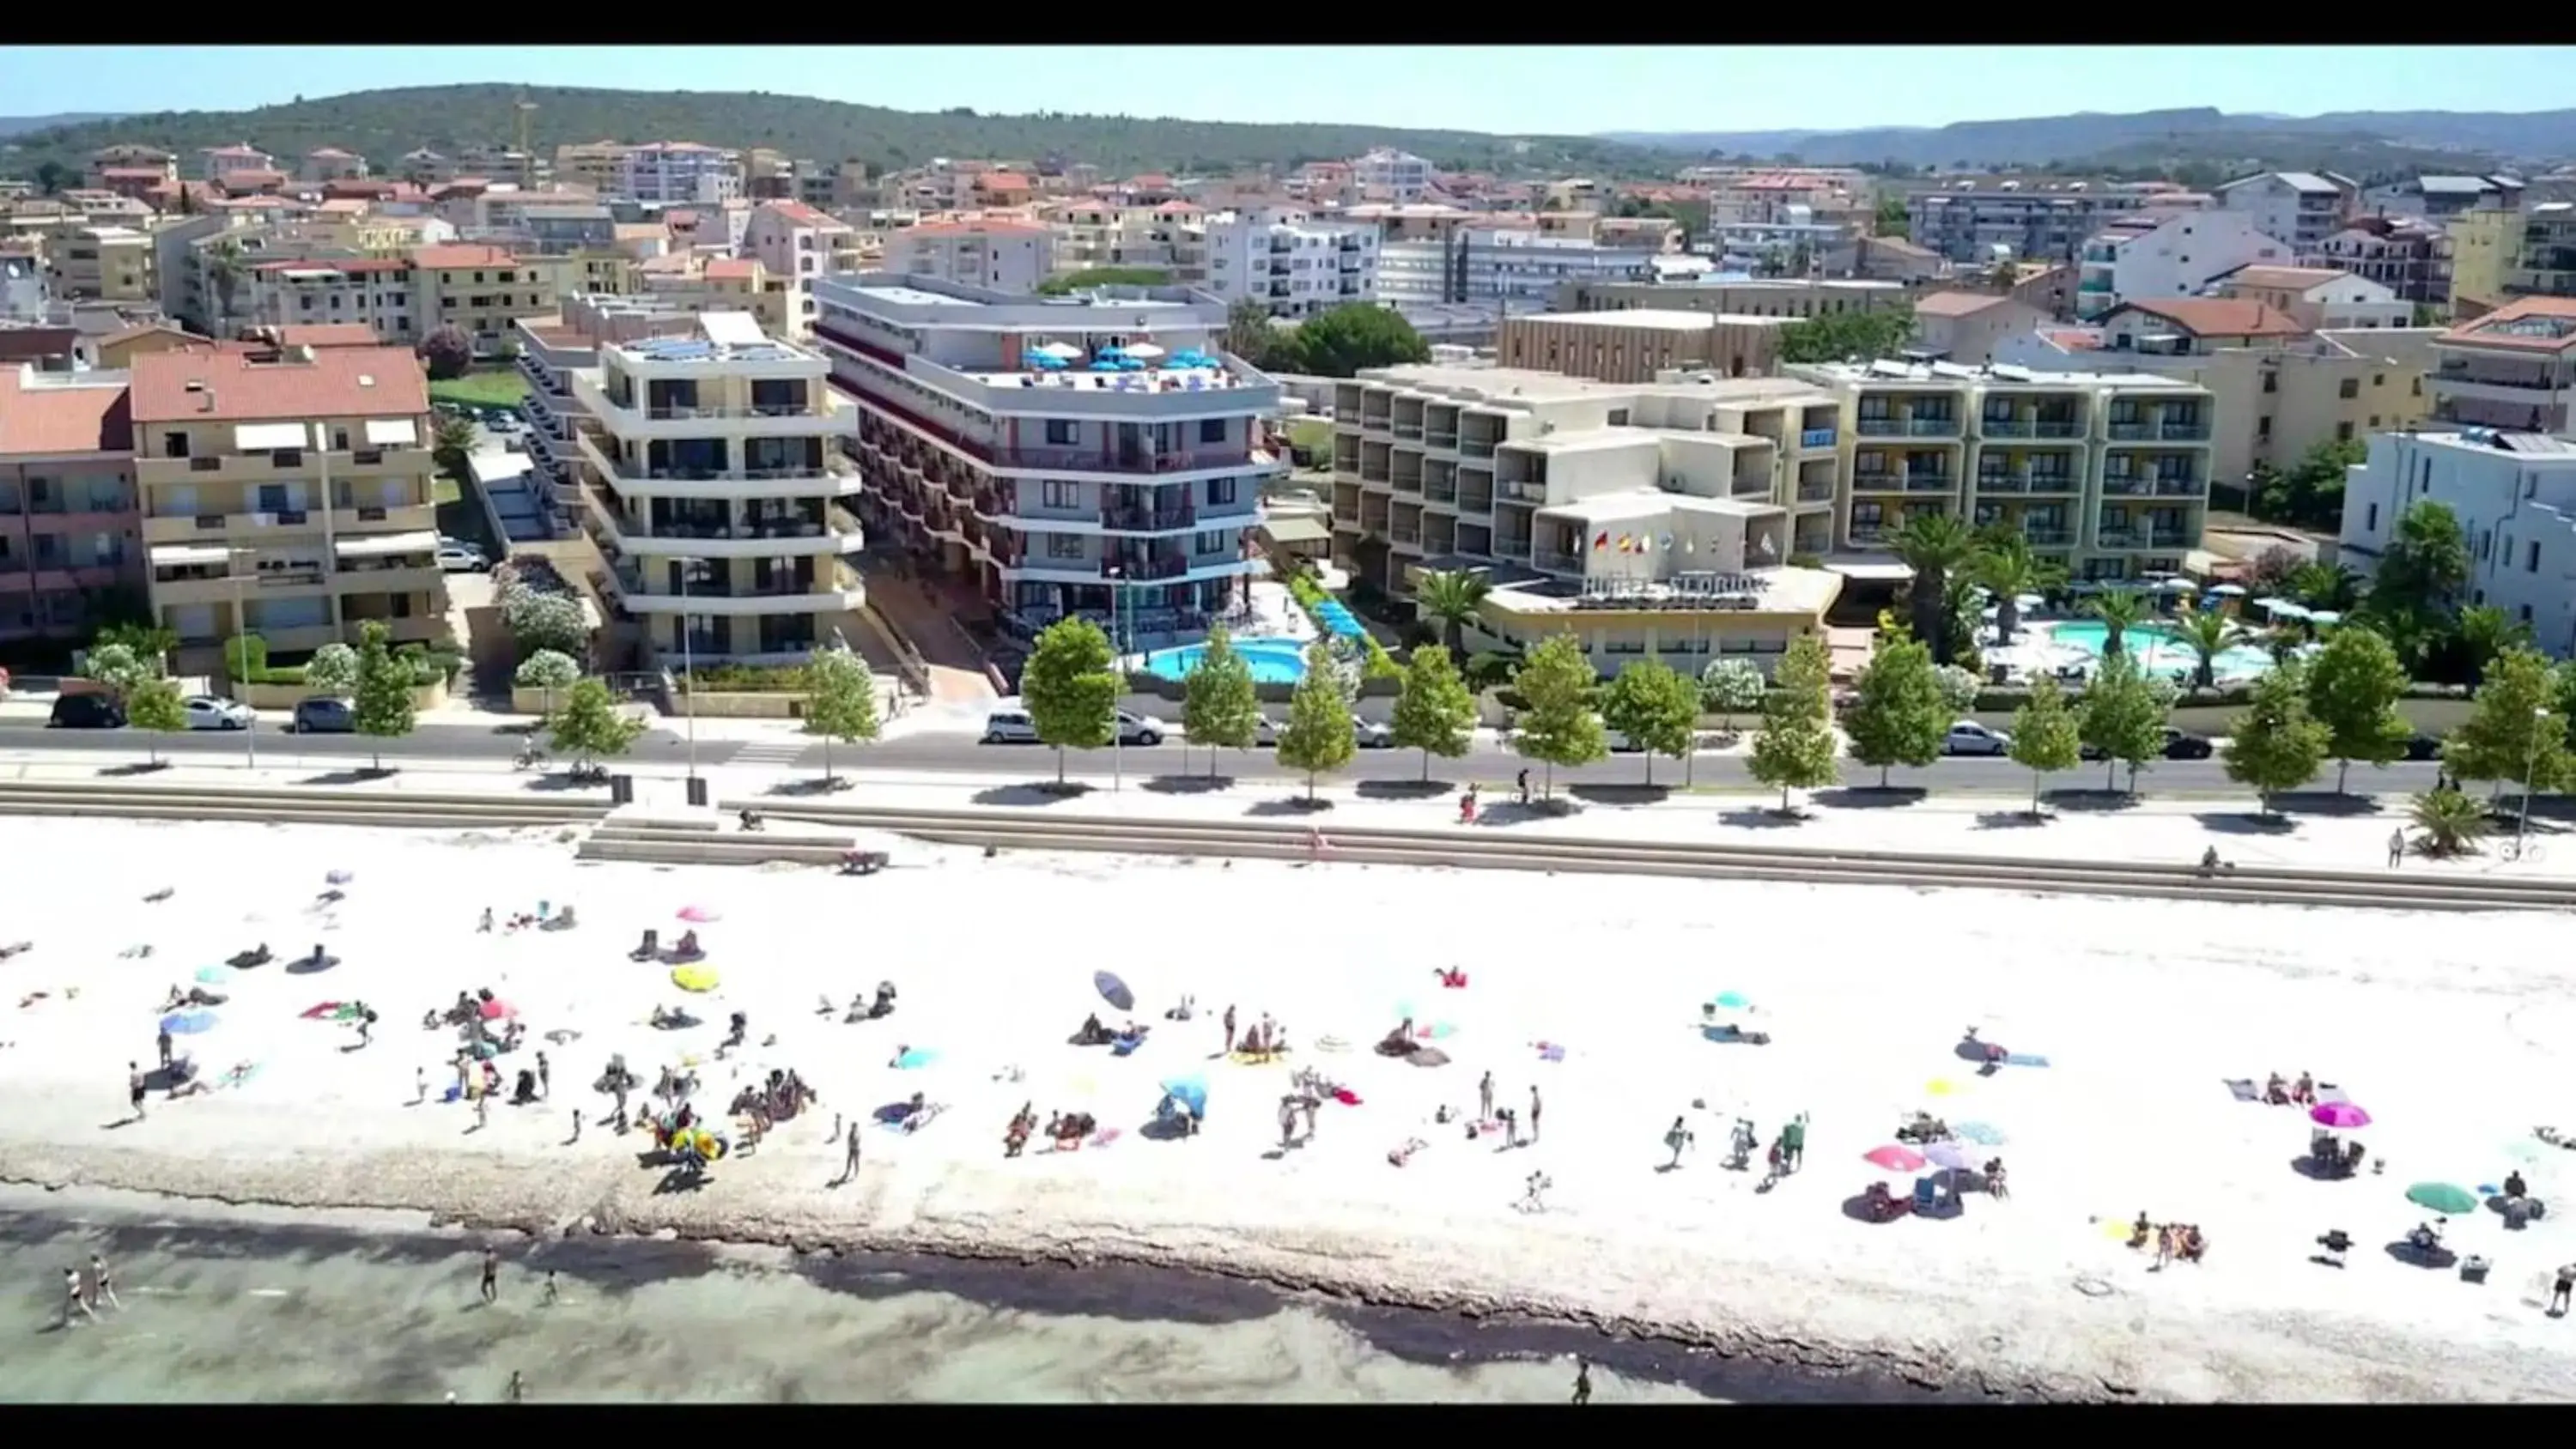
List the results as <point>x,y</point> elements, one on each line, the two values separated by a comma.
<point>188,1023</point>
<point>1045,361</point>
<point>1732,1000</point>
<point>1979,1133</point>
<point>1110,353</point>
<point>212,974</point>
<point>915,1059</point>
<point>1113,990</point>
<point>1103,364</point>
<point>1190,1092</point>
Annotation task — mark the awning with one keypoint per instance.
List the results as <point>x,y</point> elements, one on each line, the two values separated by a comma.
<point>269,437</point>
<point>1297,530</point>
<point>189,553</point>
<point>379,545</point>
<point>392,433</point>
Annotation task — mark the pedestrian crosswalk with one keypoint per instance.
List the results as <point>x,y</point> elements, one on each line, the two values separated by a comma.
<point>768,752</point>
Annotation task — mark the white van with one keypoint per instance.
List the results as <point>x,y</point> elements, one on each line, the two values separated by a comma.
<point>1009,727</point>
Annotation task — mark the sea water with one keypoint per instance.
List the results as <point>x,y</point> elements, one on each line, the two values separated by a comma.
<point>231,1307</point>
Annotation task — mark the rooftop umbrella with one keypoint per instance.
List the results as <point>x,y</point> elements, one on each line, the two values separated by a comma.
<point>1045,361</point>
<point>1894,1158</point>
<point>2338,1114</point>
<point>1190,1092</point>
<point>2176,586</point>
<point>1143,349</point>
<point>1061,352</point>
<point>698,915</point>
<point>2442,1197</point>
<point>694,978</point>
<point>188,1023</point>
<point>2227,591</point>
<point>1113,990</point>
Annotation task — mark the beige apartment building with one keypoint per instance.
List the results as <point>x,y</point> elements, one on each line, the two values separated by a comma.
<point>286,492</point>
<point>1791,297</point>
<point>484,290</point>
<point>1636,346</point>
<point>1668,520</point>
<point>103,263</point>
<point>2107,473</point>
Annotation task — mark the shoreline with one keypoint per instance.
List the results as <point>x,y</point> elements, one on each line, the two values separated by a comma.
<point>1063,1280</point>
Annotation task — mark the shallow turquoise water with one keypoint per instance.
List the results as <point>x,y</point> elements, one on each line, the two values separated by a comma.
<point>1272,661</point>
<point>2157,650</point>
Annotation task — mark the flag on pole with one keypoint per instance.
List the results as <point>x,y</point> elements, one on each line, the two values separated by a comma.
<point>1668,543</point>
<point>1602,542</point>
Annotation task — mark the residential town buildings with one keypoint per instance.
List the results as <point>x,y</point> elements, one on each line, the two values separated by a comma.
<point>795,244</point>
<point>2297,207</point>
<point>1635,346</point>
<point>677,173</point>
<point>1969,327</point>
<point>1293,264</point>
<point>69,532</point>
<point>287,492</point>
<point>1974,224</point>
<point>1004,444</point>
<point>1003,256</point>
<point>2409,256</point>
<point>2318,298</point>
<point>2438,198</point>
<point>717,492</point>
<point>2514,494</point>
<point>105,263</point>
<point>2156,255</point>
<point>1392,175</point>
<point>2513,368</point>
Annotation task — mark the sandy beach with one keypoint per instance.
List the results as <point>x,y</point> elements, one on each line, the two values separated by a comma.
<point>2446,1028</point>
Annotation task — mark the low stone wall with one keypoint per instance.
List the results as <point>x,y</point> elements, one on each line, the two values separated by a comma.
<point>1140,682</point>
<point>432,695</point>
<point>717,704</point>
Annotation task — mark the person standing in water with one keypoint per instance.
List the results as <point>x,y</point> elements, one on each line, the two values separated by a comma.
<point>552,1291</point>
<point>1582,1381</point>
<point>73,1302</point>
<point>491,1286</point>
<point>1533,1137</point>
<point>850,1157</point>
<point>102,1284</point>
<point>517,1393</point>
<point>1485,1098</point>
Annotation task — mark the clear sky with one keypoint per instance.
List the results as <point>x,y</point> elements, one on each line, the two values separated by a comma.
<point>1549,89</point>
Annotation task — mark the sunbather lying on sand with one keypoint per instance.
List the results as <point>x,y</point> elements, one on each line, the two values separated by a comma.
<point>1403,1153</point>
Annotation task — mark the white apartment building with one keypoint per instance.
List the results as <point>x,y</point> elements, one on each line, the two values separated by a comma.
<point>1403,176</point>
<point>679,173</point>
<point>2319,298</point>
<point>1775,245</point>
<point>1093,234</point>
<point>1541,477</point>
<point>2512,368</point>
<point>2108,474</point>
<point>2515,497</point>
<point>25,295</point>
<point>795,244</point>
<point>717,492</point>
<point>1971,223</point>
<point>216,162</point>
<point>1075,484</point>
<point>1289,262</point>
<point>375,292</point>
<point>2298,207</point>
<point>1002,256</point>
<point>1522,269</point>
<point>2179,254</point>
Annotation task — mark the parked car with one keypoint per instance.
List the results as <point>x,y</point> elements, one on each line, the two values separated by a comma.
<point>2179,745</point>
<point>1011,725</point>
<point>1140,729</point>
<point>1968,737</point>
<point>2424,747</point>
<point>87,712</point>
<point>462,559</point>
<point>1368,734</point>
<point>323,715</point>
<point>212,712</point>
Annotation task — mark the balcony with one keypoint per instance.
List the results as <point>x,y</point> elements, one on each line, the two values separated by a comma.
<point>414,579</point>
<point>1919,482</point>
<point>1475,447</point>
<point>2006,427</point>
<point>1408,484</point>
<point>1445,442</point>
<point>833,476</point>
<point>1556,561</point>
<point>1880,427</point>
<point>2053,482</point>
<point>2127,484</point>
<point>1404,535</point>
<point>830,590</point>
<point>2184,487</point>
<point>1440,492</point>
<point>827,412</point>
<point>2191,431</point>
<point>2132,432</point>
<point>1523,491</point>
<point>2119,538</point>
<point>1888,481</point>
<point>1412,431</point>
<point>1148,520</point>
<point>1475,500</point>
<point>1866,534</point>
<point>1939,427</point>
<point>1815,492</point>
<point>210,527</point>
<point>405,518</point>
<point>1814,438</point>
<point>1093,460</point>
<point>2170,538</point>
<point>2057,428</point>
<point>2003,482</point>
<point>2049,537</point>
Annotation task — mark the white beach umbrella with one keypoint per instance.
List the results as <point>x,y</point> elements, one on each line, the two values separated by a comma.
<point>1146,350</point>
<point>2227,591</point>
<point>1062,352</point>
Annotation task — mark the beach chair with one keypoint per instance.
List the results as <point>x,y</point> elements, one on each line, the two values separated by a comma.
<point>1927,1196</point>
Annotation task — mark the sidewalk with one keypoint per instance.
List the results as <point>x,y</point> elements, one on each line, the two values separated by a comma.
<point>934,718</point>
<point>2173,831</point>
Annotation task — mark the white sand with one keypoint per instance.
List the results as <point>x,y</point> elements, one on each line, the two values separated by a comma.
<point>2433,1023</point>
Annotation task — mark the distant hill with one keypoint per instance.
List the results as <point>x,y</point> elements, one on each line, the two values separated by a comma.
<point>2353,141</point>
<point>382,125</point>
<point>20,125</point>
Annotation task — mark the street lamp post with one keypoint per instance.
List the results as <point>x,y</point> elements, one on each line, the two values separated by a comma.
<point>2530,767</point>
<point>241,633</point>
<point>1117,576</point>
<point>689,669</point>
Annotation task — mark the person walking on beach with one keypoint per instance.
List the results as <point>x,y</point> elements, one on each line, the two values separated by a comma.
<point>491,1285</point>
<point>1229,1030</point>
<point>1677,1138</point>
<point>576,1127</point>
<point>2396,847</point>
<point>849,1158</point>
<point>1485,1098</point>
<point>2559,1291</point>
<point>485,925</point>
<point>517,1392</point>
<point>1533,1137</point>
<point>1793,1143</point>
<point>419,1085</point>
<point>163,1042</point>
<point>1582,1381</point>
<point>545,1078</point>
<point>73,1302</point>
<point>482,1109</point>
<point>134,1089</point>
<point>102,1284</point>
<point>547,1299</point>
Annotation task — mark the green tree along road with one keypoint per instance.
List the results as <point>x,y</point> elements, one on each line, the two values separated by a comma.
<point>2122,713</point>
<point>1342,341</point>
<point>2044,737</point>
<point>1435,714</point>
<point>1219,706</point>
<point>1559,727</point>
<point>1656,708</point>
<point>840,702</point>
<point>1070,688</point>
<point>383,708</point>
<point>1319,735</point>
<point>1795,750</point>
<point>1898,714</point>
<point>2276,746</point>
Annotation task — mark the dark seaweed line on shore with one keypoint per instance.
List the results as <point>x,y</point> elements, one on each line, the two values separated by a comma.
<point>1131,1281</point>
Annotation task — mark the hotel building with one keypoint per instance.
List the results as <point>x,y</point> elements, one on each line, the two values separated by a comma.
<point>1651,521</point>
<point>1057,486</point>
<point>286,492</point>
<point>2513,368</point>
<point>717,495</point>
<point>2109,474</point>
<point>67,522</point>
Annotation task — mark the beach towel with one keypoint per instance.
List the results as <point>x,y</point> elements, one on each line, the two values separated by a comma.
<point>1125,1046</point>
<point>2244,1090</point>
<point>915,1059</point>
<point>1346,1096</point>
<point>212,974</point>
<point>1550,1052</point>
<point>2024,1059</point>
<point>1105,1136</point>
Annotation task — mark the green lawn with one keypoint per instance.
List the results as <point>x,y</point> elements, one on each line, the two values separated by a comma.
<point>500,389</point>
<point>1315,435</point>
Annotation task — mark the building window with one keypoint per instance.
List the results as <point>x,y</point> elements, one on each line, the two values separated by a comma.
<point>1211,430</point>
<point>2374,422</point>
<point>2343,432</point>
<point>1062,431</point>
<point>1057,493</point>
<point>2271,382</point>
<point>2531,557</point>
<point>2379,379</point>
<point>2350,387</point>
<point>2415,387</point>
<point>2370,519</point>
<point>1064,545</point>
<point>1220,491</point>
<point>2263,428</point>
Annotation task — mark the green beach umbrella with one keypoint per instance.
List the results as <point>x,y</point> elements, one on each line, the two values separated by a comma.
<point>2442,1197</point>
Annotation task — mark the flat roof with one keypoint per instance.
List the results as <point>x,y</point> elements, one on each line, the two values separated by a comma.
<point>1772,591</point>
<point>1648,317</point>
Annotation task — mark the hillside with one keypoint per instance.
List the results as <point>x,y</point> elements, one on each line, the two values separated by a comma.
<point>2350,141</point>
<point>382,125</point>
<point>18,125</point>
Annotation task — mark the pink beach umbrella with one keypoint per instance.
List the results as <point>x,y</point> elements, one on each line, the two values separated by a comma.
<point>698,915</point>
<point>497,1010</point>
<point>1894,1158</point>
<point>2339,1115</point>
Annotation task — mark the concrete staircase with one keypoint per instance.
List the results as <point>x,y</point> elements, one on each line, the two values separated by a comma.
<point>665,837</point>
<point>286,805</point>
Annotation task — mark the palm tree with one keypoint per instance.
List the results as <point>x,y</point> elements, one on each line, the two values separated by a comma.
<point>1935,546</point>
<point>1454,598</point>
<point>2325,586</point>
<point>2009,568</point>
<point>2208,634</point>
<point>2484,633</point>
<point>2120,610</point>
<point>224,268</point>
<point>2451,822</point>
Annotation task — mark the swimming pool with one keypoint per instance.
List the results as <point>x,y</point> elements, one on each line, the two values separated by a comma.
<point>1272,661</point>
<point>2158,650</point>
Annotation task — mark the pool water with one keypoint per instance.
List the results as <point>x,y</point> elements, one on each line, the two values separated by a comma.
<point>1272,661</point>
<point>2158,650</point>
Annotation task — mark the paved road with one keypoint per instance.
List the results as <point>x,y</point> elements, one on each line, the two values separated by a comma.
<point>961,754</point>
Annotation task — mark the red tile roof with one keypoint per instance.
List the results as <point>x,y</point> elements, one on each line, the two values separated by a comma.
<point>801,214</point>
<point>2486,331</point>
<point>2220,317</point>
<point>252,177</point>
<point>329,334</point>
<point>51,421</point>
<point>1002,181</point>
<point>1957,304</point>
<point>357,265</point>
<point>732,269</point>
<point>463,254</point>
<point>236,387</point>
